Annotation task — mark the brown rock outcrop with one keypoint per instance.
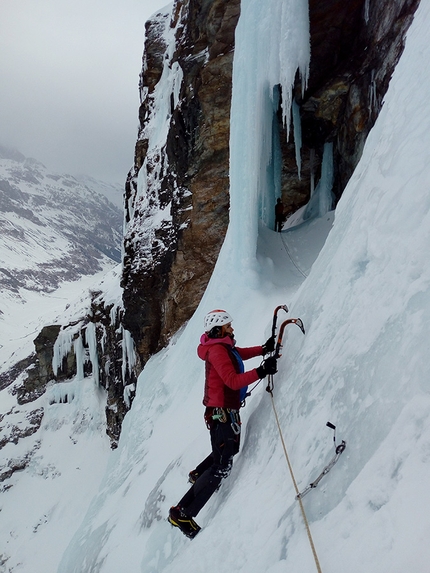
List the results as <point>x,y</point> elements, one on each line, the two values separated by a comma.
<point>166,272</point>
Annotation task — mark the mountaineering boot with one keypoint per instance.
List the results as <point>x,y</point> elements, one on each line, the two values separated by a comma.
<point>193,476</point>
<point>185,523</point>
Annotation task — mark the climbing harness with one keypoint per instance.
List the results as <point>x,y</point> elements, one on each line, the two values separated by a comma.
<point>339,449</point>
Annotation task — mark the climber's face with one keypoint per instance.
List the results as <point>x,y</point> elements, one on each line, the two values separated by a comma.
<point>228,330</point>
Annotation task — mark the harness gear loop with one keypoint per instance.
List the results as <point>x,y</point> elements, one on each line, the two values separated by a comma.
<point>235,421</point>
<point>222,414</point>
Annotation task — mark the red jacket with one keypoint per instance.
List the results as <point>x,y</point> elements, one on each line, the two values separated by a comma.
<point>223,378</point>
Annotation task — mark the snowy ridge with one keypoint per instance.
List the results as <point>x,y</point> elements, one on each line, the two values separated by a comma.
<point>54,228</point>
<point>153,228</point>
<point>58,237</point>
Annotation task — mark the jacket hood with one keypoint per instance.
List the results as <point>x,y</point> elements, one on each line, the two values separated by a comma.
<point>206,343</point>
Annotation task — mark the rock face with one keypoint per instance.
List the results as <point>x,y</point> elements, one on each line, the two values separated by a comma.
<point>184,174</point>
<point>355,47</point>
<point>168,264</point>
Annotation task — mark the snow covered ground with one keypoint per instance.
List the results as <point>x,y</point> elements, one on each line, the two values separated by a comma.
<point>65,459</point>
<point>362,365</point>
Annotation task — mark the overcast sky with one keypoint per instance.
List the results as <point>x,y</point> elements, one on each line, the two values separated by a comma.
<point>69,72</point>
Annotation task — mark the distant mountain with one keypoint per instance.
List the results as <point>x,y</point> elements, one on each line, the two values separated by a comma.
<point>53,227</point>
<point>114,193</point>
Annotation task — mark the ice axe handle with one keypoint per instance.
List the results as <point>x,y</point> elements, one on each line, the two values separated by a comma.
<point>275,316</point>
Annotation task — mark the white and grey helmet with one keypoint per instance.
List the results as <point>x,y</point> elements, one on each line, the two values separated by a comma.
<point>216,318</point>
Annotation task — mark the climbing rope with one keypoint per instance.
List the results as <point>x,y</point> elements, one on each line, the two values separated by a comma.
<point>291,258</point>
<point>298,497</point>
<point>339,449</point>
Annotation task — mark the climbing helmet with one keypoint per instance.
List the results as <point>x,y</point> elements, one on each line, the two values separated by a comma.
<point>216,318</point>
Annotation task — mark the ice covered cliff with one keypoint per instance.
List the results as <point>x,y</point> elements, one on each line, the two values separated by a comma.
<point>177,193</point>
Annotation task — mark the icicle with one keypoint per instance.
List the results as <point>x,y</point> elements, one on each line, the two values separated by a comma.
<point>62,347</point>
<point>326,183</point>
<point>373,102</point>
<point>103,339</point>
<point>321,201</point>
<point>63,393</point>
<point>297,126</point>
<point>128,353</point>
<point>129,391</point>
<point>92,347</point>
<point>312,169</point>
<point>366,11</point>
<point>296,11</point>
<point>80,357</point>
<point>178,75</point>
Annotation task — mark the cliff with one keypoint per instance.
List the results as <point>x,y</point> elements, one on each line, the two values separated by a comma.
<point>177,192</point>
<point>181,167</point>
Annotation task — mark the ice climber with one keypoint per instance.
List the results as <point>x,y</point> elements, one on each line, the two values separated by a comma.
<point>279,215</point>
<point>224,378</point>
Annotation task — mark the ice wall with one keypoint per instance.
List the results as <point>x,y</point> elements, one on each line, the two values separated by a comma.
<point>366,305</point>
<point>272,44</point>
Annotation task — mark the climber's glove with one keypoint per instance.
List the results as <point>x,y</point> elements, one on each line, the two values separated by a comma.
<point>269,345</point>
<point>267,367</point>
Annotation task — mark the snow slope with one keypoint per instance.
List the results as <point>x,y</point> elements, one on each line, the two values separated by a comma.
<point>365,303</point>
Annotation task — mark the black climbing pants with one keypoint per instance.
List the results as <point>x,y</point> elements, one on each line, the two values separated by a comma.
<point>225,444</point>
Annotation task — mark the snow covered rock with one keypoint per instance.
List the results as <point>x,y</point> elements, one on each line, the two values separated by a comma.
<point>54,228</point>
<point>177,194</point>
